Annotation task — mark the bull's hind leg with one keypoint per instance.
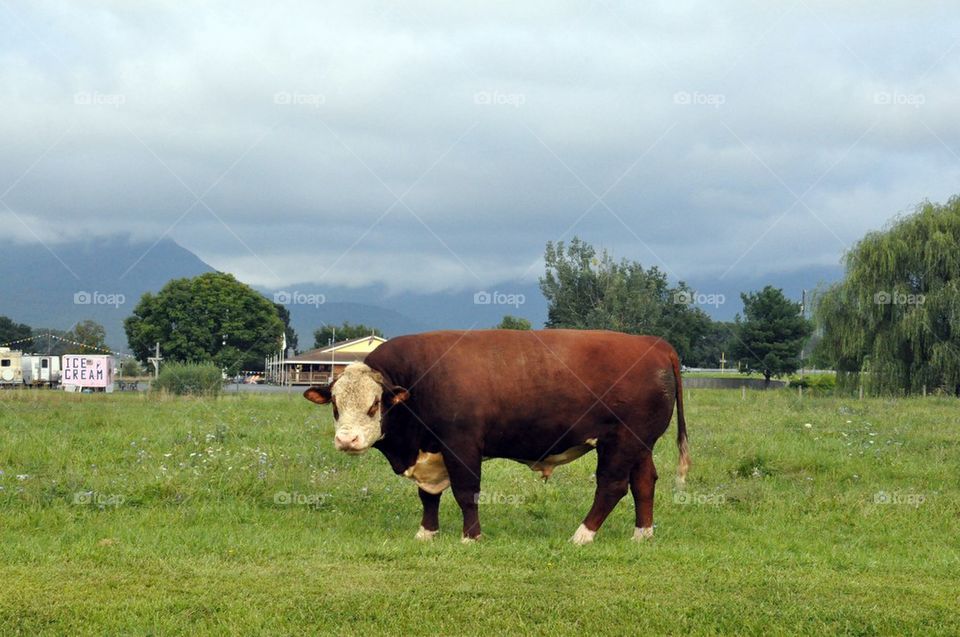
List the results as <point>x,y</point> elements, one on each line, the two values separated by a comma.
<point>430,523</point>
<point>643,480</point>
<point>613,472</point>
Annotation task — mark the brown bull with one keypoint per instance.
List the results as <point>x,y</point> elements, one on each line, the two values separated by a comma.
<point>438,404</point>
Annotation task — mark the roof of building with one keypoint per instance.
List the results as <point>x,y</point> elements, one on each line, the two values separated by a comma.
<point>330,354</point>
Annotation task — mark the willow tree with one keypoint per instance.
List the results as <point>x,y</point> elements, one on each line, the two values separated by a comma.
<point>894,320</point>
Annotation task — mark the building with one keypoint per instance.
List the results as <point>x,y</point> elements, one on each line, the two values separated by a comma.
<point>319,366</point>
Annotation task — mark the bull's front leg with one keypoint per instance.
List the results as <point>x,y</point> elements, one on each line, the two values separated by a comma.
<point>430,523</point>
<point>464,469</point>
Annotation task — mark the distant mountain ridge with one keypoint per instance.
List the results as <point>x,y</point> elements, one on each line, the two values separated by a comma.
<point>89,279</point>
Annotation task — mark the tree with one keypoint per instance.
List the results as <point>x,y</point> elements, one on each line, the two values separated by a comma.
<point>89,337</point>
<point>893,322</point>
<point>326,334</point>
<point>211,317</point>
<point>589,291</point>
<point>771,336</point>
<point>10,331</point>
<point>290,333</point>
<point>130,368</point>
<point>513,323</point>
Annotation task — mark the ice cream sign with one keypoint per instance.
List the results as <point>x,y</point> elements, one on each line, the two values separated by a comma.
<point>87,371</point>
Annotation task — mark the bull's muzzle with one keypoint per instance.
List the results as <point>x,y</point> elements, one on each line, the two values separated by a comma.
<point>349,443</point>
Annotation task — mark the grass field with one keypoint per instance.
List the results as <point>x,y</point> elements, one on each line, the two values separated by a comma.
<point>133,514</point>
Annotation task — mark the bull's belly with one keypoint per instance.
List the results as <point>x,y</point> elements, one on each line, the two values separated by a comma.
<point>547,464</point>
<point>430,473</point>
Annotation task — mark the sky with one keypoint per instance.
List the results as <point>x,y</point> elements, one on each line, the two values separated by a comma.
<point>439,146</point>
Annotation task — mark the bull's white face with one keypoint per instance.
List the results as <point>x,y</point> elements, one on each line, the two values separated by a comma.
<point>356,400</point>
<point>356,396</point>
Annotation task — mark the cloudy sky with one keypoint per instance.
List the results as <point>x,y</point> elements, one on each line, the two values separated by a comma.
<point>434,146</point>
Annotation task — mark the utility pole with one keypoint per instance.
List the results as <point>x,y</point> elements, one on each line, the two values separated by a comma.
<point>803,315</point>
<point>155,361</point>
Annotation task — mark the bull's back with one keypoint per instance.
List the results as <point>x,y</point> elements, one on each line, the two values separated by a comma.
<point>525,375</point>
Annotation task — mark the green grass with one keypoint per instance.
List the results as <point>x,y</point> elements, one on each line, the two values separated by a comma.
<point>850,525</point>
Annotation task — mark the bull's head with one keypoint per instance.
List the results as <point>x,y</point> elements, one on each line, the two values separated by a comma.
<point>360,397</point>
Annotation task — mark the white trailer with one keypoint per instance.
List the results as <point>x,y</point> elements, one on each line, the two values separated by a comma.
<point>88,372</point>
<point>41,371</point>
<point>11,367</point>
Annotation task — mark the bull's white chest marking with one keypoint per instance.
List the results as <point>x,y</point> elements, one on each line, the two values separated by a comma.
<point>546,466</point>
<point>429,473</point>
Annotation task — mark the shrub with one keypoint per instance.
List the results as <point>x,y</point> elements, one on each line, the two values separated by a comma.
<point>130,368</point>
<point>821,383</point>
<point>198,379</point>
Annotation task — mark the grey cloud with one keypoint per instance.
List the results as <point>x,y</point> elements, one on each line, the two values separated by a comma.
<point>306,122</point>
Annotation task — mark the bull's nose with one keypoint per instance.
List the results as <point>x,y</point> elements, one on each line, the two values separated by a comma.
<point>346,442</point>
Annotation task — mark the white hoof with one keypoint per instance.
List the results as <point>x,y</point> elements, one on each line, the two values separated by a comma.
<point>469,540</point>
<point>642,533</point>
<point>583,536</point>
<point>424,535</point>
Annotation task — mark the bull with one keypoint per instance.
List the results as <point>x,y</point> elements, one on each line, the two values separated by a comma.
<point>438,404</point>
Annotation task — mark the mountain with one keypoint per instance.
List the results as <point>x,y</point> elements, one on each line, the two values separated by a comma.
<point>312,306</point>
<point>103,279</point>
<point>99,279</point>
<point>720,298</point>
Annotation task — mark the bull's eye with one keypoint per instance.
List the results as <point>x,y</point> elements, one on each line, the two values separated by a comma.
<point>336,412</point>
<point>373,408</point>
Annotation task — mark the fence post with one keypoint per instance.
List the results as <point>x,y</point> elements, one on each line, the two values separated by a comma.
<point>800,392</point>
<point>743,392</point>
<point>924,391</point>
<point>861,392</point>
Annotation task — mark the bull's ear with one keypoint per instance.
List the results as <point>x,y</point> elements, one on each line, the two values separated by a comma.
<point>319,395</point>
<point>396,394</point>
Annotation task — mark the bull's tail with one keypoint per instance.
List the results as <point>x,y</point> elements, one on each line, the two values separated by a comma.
<point>684,462</point>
